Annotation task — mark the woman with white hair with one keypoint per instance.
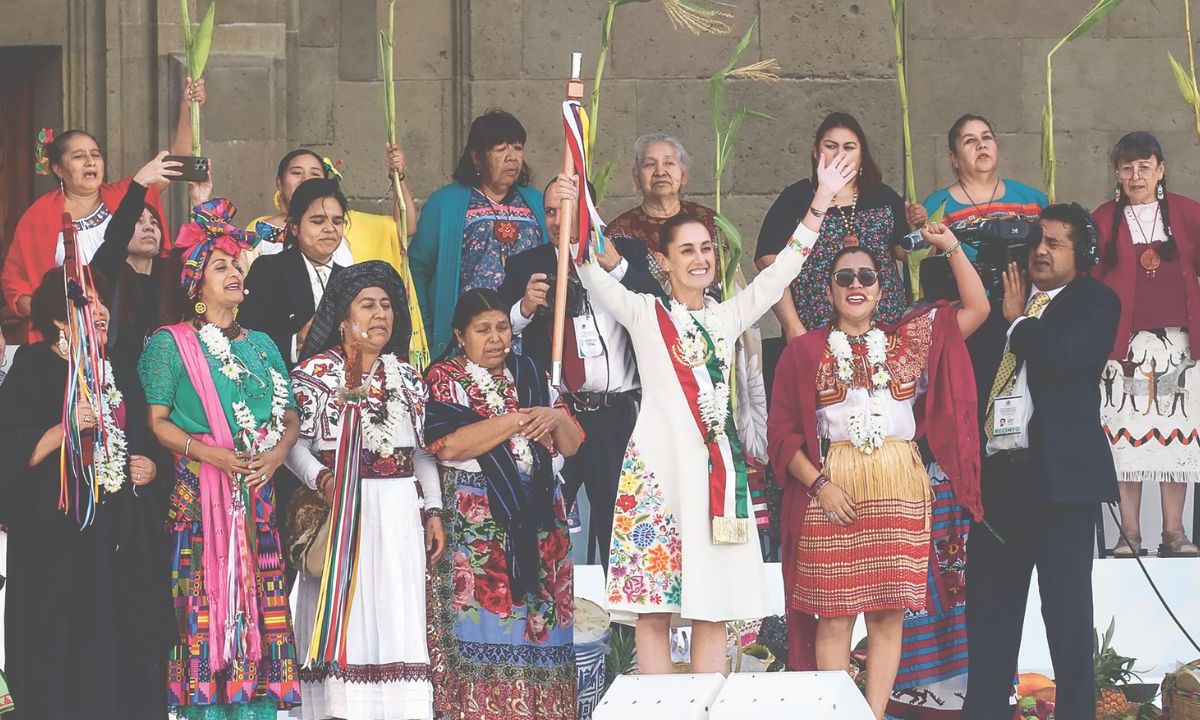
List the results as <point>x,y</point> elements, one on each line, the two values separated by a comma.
<point>660,172</point>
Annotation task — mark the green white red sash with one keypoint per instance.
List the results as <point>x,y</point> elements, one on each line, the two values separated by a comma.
<point>728,487</point>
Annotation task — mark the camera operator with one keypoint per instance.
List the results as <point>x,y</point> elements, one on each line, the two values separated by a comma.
<point>1047,467</point>
<point>599,374</point>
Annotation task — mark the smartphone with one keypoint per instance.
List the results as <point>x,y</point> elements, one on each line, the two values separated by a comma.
<point>192,169</point>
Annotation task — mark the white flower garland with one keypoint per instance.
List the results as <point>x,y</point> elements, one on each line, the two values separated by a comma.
<point>486,382</point>
<point>111,460</point>
<point>379,432</point>
<point>693,350</point>
<point>269,433</point>
<point>867,425</point>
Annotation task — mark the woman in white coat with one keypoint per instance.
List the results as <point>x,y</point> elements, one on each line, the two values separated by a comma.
<point>682,531</point>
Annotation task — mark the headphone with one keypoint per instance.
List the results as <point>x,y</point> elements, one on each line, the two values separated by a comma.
<point>1087,249</point>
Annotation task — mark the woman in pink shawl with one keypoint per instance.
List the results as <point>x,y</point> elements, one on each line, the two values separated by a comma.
<point>220,402</point>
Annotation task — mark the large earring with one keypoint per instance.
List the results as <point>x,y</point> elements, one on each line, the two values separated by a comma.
<point>1117,194</point>
<point>200,308</point>
<point>62,185</point>
<point>1161,191</point>
<point>235,311</point>
<point>279,201</point>
<point>62,342</point>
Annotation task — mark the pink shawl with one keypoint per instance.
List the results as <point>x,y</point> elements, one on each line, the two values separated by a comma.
<point>229,578</point>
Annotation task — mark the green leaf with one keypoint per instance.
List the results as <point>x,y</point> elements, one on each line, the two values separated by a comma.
<point>601,178</point>
<point>726,228</point>
<point>1182,80</point>
<point>382,51</point>
<point>939,213</point>
<point>1095,15</point>
<point>756,650</point>
<point>731,135</point>
<point>1047,154</point>
<point>202,41</point>
<point>741,48</point>
<point>716,99</point>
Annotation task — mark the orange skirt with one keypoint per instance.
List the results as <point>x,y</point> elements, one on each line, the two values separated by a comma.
<point>881,561</point>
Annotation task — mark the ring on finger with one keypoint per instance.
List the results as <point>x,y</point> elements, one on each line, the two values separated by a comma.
<point>833,517</point>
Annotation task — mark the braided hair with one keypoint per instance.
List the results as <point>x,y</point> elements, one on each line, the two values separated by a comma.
<point>1138,146</point>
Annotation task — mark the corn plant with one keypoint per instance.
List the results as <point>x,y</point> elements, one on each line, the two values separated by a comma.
<point>910,186</point>
<point>726,128</point>
<point>419,354</point>
<point>1186,79</point>
<point>196,45</point>
<point>1049,163</point>
<point>684,15</point>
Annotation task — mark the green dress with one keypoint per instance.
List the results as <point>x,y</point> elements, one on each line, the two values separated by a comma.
<point>259,688</point>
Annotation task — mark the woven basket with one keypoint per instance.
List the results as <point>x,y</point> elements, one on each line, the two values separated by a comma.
<point>1181,694</point>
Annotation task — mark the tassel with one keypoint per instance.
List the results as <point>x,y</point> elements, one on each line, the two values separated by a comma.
<point>730,531</point>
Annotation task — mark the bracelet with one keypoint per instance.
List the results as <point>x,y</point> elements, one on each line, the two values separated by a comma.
<point>431,513</point>
<point>187,448</point>
<point>322,474</point>
<point>818,485</point>
<point>953,249</point>
<point>815,212</point>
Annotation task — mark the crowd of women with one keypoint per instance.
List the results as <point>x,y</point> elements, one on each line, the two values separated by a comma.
<point>307,522</point>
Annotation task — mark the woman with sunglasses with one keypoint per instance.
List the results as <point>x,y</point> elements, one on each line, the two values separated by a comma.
<point>842,432</point>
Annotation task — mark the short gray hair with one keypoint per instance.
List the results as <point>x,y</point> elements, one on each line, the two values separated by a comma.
<point>645,141</point>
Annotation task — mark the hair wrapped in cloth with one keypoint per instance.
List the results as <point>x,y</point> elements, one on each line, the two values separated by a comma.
<point>344,286</point>
<point>211,229</point>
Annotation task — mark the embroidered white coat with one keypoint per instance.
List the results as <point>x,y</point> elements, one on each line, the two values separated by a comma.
<point>662,558</point>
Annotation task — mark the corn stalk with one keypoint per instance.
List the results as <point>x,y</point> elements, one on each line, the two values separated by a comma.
<point>196,46</point>
<point>684,15</point>
<point>910,186</point>
<point>418,349</point>
<point>1049,163</point>
<point>1186,79</point>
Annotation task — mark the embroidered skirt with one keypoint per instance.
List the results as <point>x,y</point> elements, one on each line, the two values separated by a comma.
<point>387,671</point>
<point>881,561</point>
<point>191,682</point>
<point>495,656</point>
<point>1151,416</point>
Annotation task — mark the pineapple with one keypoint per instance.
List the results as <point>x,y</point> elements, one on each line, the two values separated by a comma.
<point>1112,671</point>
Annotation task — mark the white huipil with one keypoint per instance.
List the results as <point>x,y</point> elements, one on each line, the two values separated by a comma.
<point>662,557</point>
<point>388,674</point>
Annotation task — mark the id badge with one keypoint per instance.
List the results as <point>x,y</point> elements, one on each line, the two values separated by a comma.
<point>1008,414</point>
<point>587,337</point>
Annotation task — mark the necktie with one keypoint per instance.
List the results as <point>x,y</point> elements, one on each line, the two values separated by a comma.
<point>1006,376</point>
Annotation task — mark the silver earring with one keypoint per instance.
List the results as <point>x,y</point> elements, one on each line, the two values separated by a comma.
<point>62,343</point>
<point>1117,194</point>
<point>1160,191</point>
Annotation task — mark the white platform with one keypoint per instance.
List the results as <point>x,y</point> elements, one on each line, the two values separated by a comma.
<point>655,697</point>
<point>1119,590</point>
<point>787,696</point>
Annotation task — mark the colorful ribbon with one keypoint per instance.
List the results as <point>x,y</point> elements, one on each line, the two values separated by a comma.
<point>211,229</point>
<point>575,124</point>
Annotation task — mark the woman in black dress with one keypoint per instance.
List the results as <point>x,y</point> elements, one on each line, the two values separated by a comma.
<point>89,619</point>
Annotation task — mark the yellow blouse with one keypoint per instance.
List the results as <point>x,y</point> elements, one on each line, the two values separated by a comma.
<point>370,237</point>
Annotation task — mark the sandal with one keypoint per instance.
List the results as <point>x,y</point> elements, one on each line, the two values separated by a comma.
<point>1177,545</point>
<point>1130,549</point>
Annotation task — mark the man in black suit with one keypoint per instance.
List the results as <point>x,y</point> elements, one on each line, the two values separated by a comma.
<point>1048,465</point>
<point>600,380</point>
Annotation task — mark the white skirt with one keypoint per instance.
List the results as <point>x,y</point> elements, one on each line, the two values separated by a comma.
<point>1150,406</point>
<point>387,677</point>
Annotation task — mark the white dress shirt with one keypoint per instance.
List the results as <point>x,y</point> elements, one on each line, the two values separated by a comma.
<point>1020,441</point>
<point>613,370</point>
<point>318,279</point>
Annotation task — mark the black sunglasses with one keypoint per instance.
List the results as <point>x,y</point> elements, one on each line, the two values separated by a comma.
<point>845,277</point>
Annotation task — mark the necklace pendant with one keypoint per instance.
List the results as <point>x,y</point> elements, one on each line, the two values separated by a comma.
<point>1151,261</point>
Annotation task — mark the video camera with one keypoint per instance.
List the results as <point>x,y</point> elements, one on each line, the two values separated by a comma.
<point>990,243</point>
<point>576,296</point>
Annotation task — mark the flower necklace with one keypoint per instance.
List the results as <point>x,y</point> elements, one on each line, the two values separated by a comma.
<point>694,350</point>
<point>492,397</point>
<point>255,438</point>
<point>110,464</point>
<point>380,425</point>
<point>866,425</point>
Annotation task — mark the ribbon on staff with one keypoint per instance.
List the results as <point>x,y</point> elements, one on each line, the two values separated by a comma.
<point>575,124</point>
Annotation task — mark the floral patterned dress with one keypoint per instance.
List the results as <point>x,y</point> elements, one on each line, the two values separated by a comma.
<point>493,233</point>
<point>495,656</point>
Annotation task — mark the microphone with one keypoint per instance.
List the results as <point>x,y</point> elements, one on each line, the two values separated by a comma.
<point>913,241</point>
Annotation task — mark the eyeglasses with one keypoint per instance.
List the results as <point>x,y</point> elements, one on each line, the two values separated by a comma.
<point>845,277</point>
<point>1127,173</point>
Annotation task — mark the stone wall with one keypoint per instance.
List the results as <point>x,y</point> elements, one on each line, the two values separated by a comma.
<point>305,72</point>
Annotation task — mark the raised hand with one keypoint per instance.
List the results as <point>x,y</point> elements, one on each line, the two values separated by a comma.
<point>1015,290</point>
<point>836,175</point>
<point>938,236</point>
<point>159,170</point>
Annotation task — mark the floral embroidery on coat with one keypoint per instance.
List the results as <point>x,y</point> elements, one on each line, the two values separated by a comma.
<point>646,558</point>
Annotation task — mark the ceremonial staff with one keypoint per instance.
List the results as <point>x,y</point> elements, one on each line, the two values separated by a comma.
<point>565,211</point>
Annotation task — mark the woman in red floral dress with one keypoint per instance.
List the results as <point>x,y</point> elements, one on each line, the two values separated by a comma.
<point>502,605</point>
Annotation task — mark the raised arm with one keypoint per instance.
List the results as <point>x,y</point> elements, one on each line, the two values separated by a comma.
<point>746,307</point>
<point>617,300</point>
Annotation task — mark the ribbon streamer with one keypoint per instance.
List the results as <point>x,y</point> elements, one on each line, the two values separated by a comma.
<point>575,124</point>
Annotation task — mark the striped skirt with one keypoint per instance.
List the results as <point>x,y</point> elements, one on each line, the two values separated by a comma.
<point>881,561</point>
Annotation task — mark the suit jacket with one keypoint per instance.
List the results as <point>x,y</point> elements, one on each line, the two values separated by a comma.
<point>535,338</point>
<point>1064,351</point>
<point>279,299</point>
